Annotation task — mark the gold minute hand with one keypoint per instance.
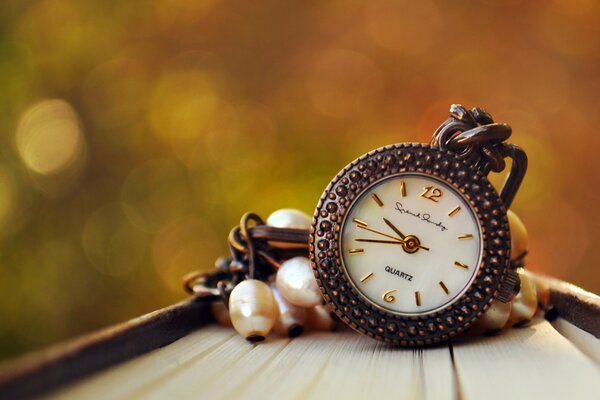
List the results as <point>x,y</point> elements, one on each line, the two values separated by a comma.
<point>389,242</point>
<point>379,233</point>
<point>379,241</point>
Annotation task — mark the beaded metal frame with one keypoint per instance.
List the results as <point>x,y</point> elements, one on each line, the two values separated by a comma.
<point>354,308</point>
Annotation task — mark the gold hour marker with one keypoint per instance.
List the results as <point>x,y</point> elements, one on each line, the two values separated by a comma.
<point>359,222</point>
<point>403,188</point>
<point>377,200</point>
<point>444,288</point>
<point>432,193</point>
<point>418,298</point>
<point>366,277</point>
<point>388,297</point>
<point>459,264</point>
<point>453,212</point>
<point>465,237</point>
<point>356,251</point>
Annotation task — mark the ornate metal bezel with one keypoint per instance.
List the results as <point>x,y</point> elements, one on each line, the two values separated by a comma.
<point>360,313</point>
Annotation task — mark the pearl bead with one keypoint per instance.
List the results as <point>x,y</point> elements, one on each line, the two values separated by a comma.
<point>319,318</point>
<point>542,291</point>
<point>494,319</point>
<point>288,218</point>
<point>524,305</point>
<point>518,236</point>
<point>297,284</point>
<point>290,318</point>
<point>220,313</point>
<point>252,309</point>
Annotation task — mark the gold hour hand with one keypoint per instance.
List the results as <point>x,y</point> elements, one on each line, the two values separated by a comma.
<point>388,223</point>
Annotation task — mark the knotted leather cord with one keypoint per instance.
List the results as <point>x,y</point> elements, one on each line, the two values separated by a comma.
<point>473,135</point>
<point>253,255</point>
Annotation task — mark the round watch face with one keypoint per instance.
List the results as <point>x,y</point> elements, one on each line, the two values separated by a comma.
<point>411,244</point>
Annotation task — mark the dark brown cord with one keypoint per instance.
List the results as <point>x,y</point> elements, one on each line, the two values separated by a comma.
<point>472,134</point>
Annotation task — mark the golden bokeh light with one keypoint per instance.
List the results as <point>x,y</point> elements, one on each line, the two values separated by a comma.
<point>49,137</point>
<point>8,196</point>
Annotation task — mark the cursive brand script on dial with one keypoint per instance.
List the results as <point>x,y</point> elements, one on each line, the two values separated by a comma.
<point>423,217</point>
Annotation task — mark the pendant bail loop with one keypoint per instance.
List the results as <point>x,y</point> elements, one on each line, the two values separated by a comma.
<point>473,135</point>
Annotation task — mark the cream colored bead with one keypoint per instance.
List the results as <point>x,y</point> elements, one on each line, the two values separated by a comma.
<point>252,309</point>
<point>524,305</point>
<point>542,291</point>
<point>494,319</point>
<point>220,312</point>
<point>288,218</point>
<point>319,318</point>
<point>297,284</point>
<point>290,318</point>
<point>519,239</point>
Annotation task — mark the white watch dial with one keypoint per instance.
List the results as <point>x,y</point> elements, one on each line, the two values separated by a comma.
<point>411,244</point>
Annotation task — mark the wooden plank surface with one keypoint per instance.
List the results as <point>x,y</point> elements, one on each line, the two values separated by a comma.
<point>137,375</point>
<point>584,341</point>
<point>40,372</point>
<point>317,365</point>
<point>216,363</point>
<point>533,362</point>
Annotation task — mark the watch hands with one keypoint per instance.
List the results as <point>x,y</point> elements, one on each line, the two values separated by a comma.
<point>379,233</point>
<point>410,243</point>
<point>388,223</point>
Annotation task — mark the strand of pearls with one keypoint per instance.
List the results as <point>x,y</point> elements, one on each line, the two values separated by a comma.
<point>288,304</point>
<point>524,306</point>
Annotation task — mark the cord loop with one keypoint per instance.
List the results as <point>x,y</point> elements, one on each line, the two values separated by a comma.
<point>473,135</point>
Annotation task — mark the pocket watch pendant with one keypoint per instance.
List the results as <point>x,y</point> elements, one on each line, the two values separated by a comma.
<point>410,243</point>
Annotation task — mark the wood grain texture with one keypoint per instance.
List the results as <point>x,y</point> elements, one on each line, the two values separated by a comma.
<point>40,372</point>
<point>215,363</point>
<point>579,307</point>
<point>314,366</point>
<point>586,342</point>
<point>44,371</point>
<point>135,376</point>
<point>533,362</point>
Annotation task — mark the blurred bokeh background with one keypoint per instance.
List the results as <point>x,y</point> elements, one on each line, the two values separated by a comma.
<point>134,134</point>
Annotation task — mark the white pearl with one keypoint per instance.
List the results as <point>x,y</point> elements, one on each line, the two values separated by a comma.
<point>524,305</point>
<point>494,319</point>
<point>220,312</point>
<point>252,309</point>
<point>542,291</point>
<point>290,318</point>
<point>288,218</point>
<point>519,239</point>
<point>319,318</point>
<point>296,282</point>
